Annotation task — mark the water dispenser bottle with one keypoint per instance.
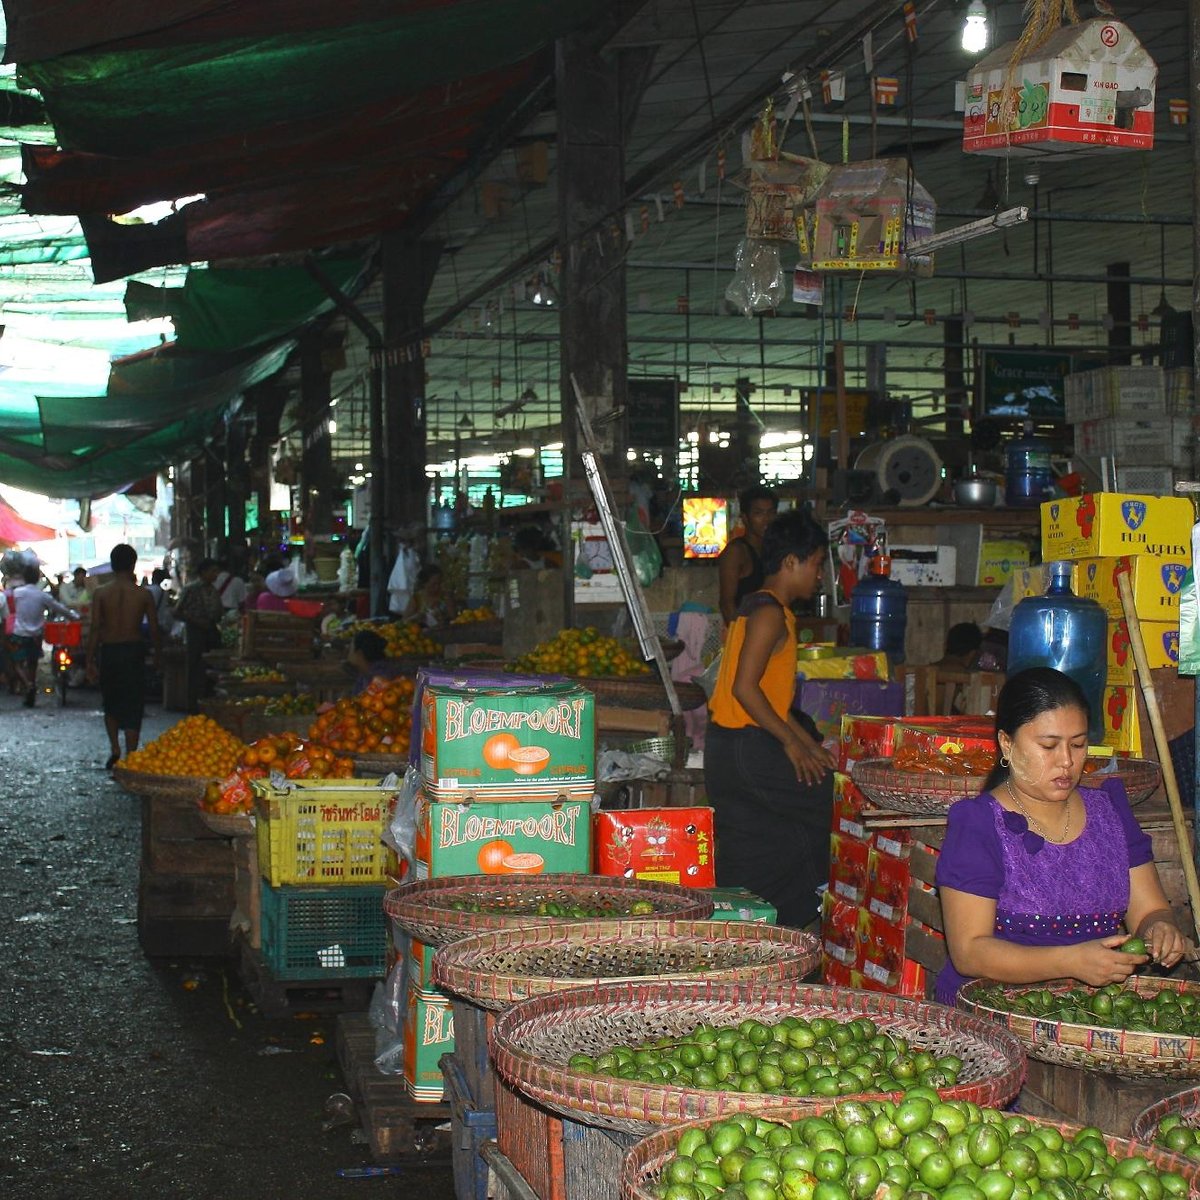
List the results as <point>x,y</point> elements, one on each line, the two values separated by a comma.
<point>1066,632</point>
<point>1028,477</point>
<point>879,610</point>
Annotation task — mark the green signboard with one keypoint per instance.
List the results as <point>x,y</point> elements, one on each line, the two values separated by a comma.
<point>1025,383</point>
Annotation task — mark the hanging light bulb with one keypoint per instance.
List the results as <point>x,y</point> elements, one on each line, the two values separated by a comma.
<point>975,28</point>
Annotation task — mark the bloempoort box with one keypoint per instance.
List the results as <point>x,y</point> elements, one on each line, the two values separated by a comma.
<point>508,744</point>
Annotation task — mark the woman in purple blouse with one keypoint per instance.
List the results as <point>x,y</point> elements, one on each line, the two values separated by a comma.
<point>1037,875</point>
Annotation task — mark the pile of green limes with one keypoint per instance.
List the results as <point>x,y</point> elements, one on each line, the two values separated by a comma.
<point>920,1147</point>
<point>796,1056</point>
<point>1112,1007</point>
<point>558,908</point>
<point>1176,1134</point>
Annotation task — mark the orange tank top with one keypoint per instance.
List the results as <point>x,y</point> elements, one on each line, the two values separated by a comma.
<point>778,680</point>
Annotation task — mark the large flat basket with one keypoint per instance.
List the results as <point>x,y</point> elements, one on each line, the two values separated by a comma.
<point>533,1042</point>
<point>1131,1054</point>
<point>161,787</point>
<point>643,1165</point>
<point>440,911</point>
<point>496,970</point>
<point>925,794</point>
<point>1185,1103</point>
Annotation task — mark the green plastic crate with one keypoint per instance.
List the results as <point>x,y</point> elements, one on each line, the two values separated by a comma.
<point>324,933</point>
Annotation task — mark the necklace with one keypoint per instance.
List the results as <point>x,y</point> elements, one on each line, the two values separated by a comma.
<point>1066,829</point>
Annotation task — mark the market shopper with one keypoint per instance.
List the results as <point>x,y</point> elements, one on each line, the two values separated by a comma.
<point>116,651</point>
<point>280,586</point>
<point>1037,874</point>
<point>199,608</point>
<point>740,567</point>
<point>767,776</point>
<point>30,606</point>
<point>368,658</point>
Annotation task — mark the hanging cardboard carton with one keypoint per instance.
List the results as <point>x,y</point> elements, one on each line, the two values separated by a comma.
<point>861,224</point>
<point>1088,87</point>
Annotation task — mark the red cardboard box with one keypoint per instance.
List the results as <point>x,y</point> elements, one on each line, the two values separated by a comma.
<point>950,735</point>
<point>887,887</point>
<point>880,950</point>
<point>836,973</point>
<point>865,737</point>
<point>839,930</point>
<point>849,805</point>
<point>849,866</point>
<point>894,841</point>
<point>671,845</point>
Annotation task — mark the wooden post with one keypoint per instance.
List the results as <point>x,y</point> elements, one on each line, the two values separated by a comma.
<point>1120,309</point>
<point>839,381</point>
<point>316,456</point>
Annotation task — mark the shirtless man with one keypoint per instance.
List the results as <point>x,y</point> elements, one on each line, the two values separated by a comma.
<point>116,650</point>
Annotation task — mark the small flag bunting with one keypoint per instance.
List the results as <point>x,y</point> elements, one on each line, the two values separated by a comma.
<point>887,89</point>
<point>1014,320</point>
<point>930,316</point>
<point>682,304</point>
<point>677,193</point>
<point>1073,321</point>
<point>910,20</point>
<point>1178,111</point>
<point>833,86</point>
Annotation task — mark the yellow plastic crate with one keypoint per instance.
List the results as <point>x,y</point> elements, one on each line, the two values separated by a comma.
<point>321,831</point>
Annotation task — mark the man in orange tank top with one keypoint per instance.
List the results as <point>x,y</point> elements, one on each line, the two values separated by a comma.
<point>767,776</point>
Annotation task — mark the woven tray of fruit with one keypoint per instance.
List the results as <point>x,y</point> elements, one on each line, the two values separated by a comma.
<point>861,1150</point>
<point>633,1056</point>
<point>440,911</point>
<point>181,762</point>
<point>1148,1028</point>
<point>472,625</point>
<point>500,968</point>
<point>929,786</point>
<point>1172,1123</point>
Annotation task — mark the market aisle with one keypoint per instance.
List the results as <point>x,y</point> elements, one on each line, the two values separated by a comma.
<point>121,1077</point>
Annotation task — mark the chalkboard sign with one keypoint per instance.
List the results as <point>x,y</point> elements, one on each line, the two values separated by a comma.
<point>652,416</point>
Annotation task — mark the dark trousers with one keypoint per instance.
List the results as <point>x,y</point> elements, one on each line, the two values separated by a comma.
<point>199,639</point>
<point>772,830</point>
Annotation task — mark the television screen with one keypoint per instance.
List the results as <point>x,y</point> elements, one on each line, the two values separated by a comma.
<point>705,526</point>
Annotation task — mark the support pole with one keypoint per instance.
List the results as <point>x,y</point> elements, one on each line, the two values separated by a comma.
<point>316,455</point>
<point>1120,309</point>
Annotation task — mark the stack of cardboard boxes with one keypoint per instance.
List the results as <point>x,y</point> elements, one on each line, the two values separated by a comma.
<point>1131,416</point>
<point>508,776</point>
<point>1103,534</point>
<point>870,913</point>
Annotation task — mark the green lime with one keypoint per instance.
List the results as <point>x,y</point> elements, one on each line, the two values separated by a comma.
<point>919,1147</point>
<point>1122,1188</point>
<point>1150,1184</point>
<point>863,1176</point>
<point>761,1166</point>
<point>798,1158</point>
<point>913,1115</point>
<point>797,1185</point>
<point>1133,945</point>
<point>759,1189</point>
<point>936,1171</point>
<point>985,1145</point>
<point>1020,1162</point>
<point>829,1190</point>
<point>725,1138</point>
<point>996,1185</point>
<point>681,1191</point>
<point>861,1139</point>
<point>829,1165</point>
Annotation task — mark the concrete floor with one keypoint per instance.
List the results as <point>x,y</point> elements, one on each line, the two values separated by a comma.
<point>121,1077</point>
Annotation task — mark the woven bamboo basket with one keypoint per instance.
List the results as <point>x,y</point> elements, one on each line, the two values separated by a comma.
<point>496,970</point>
<point>1186,1103</point>
<point>646,691</point>
<point>1124,1052</point>
<point>233,825</point>
<point>532,1043</point>
<point>643,1164</point>
<point>427,909</point>
<point>163,787</point>
<point>924,794</point>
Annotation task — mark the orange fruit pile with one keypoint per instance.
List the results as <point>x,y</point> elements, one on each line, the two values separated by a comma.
<point>195,746</point>
<point>287,754</point>
<point>581,652</point>
<point>377,721</point>
<point>404,639</point>
<point>470,615</point>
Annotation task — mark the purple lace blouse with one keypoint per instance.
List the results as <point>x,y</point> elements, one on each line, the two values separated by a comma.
<point>1046,894</point>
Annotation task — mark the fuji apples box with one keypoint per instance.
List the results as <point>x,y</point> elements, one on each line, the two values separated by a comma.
<point>508,744</point>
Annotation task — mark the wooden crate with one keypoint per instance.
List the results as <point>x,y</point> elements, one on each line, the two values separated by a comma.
<point>176,841</point>
<point>398,1128</point>
<point>1062,1093</point>
<point>184,915</point>
<point>274,635</point>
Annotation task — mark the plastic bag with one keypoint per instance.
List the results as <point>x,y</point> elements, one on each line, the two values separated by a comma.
<point>707,678</point>
<point>615,765</point>
<point>758,280</point>
<point>647,557</point>
<point>1189,616</point>
<point>387,1015</point>
<point>401,830</point>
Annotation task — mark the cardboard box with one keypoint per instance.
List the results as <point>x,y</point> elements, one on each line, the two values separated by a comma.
<point>998,560</point>
<point>738,904</point>
<point>465,679</point>
<point>1106,524</point>
<point>880,949</point>
<point>837,974</point>
<point>828,701</point>
<point>671,845</point>
<point>952,736</point>
<point>508,744</point>
<point>924,565</point>
<point>887,886</point>
<point>821,660</point>
<point>1156,584</point>
<point>502,839</point>
<point>864,737</point>
<point>849,868</point>
<point>839,930</point>
<point>1162,649</point>
<point>849,805</point>
<point>420,965</point>
<point>1115,392</point>
<point>1122,725</point>
<point>428,1034</point>
<point>1030,581</point>
<point>1133,442</point>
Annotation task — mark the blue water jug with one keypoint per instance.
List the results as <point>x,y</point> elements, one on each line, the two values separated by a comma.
<point>879,610</point>
<point>1028,477</point>
<point>1066,632</point>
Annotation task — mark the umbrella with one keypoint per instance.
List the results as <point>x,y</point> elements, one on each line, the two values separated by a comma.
<point>14,528</point>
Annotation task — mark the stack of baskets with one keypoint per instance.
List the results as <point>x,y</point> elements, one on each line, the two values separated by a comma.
<point>321,865</point>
